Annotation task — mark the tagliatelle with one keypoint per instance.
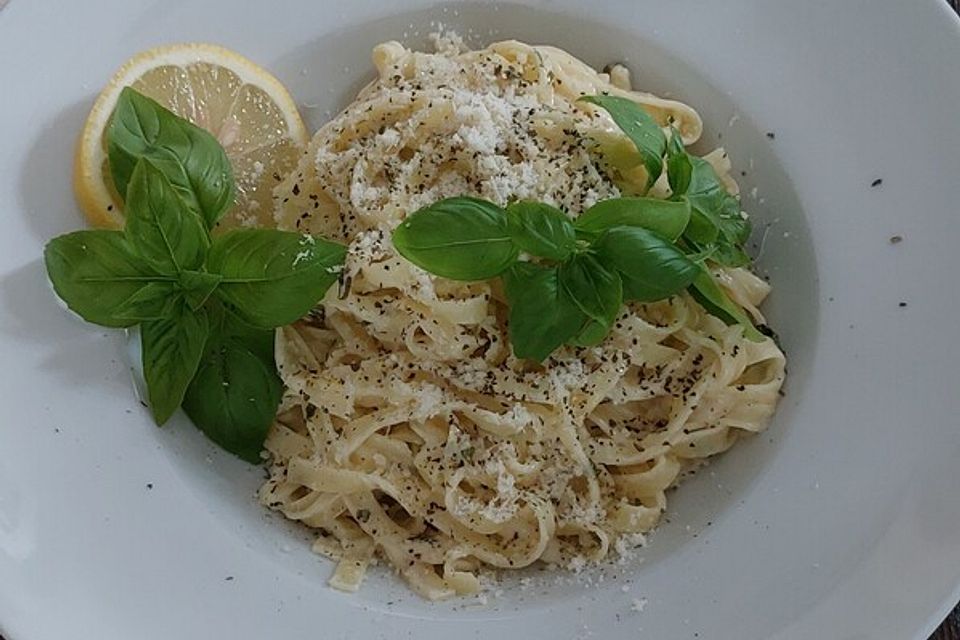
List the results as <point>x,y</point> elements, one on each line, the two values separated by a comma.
<point>408,429</point>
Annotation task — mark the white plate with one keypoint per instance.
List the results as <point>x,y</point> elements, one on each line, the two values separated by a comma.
<point>841,521</point>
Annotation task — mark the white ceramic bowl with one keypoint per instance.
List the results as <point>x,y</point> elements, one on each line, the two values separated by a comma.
<point>841,521</point>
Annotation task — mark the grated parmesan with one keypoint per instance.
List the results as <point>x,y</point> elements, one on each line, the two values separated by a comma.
<point>639,604</point>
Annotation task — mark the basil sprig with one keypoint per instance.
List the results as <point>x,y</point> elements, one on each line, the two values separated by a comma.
<point>618,250</point>
<point>715,229</point>
<point>717,226</point>
<point>581,271</point>
<point>207,305</point>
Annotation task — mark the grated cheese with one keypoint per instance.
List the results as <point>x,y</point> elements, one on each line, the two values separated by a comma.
<point>639,604</point>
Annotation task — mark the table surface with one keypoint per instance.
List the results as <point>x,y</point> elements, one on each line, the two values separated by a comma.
<point>950,629</point>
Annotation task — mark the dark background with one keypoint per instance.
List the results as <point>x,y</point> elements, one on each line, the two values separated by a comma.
<point>950,629</point>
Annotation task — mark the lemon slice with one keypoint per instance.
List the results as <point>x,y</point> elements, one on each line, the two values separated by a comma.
<point>240,103</point>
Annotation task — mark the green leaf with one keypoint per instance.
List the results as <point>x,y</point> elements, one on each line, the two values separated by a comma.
<point>591,335</point>
<point>234,396</point>
<point>541,230</point>
<point>705,190</point>
<point>708,293</point>
<point>666,218</point>
<point>458,238</point>
<point>272,277</point>
<point>651,268</point>
<point>153,301</point>
<point>171,351</point>
<point>595,289</point>
<point>233,400</point>
<point>703,229</point>
<point>679,165</point>
<point>542,315</point>
<point>259,342</point>
<point>734,232</point>
<point>640,127</point>
<point>95,272</point>
<point>197,286</point>
<point>159,226</point>
<point>716,216</point>
<point>730,255</point>
<point>191,159</point>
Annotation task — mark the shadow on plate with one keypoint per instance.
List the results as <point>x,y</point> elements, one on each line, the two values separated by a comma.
<point>71,347</point>
<point>45,181</point>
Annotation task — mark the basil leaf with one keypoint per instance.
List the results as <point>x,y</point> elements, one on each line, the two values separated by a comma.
<point>153,301</point>
<point>595,289</point>
<point>273,277</point>
<point>730,255</point>
<point>95,272</point>
<point>171,355</point>
<point>651,268</point>
<point>234,396</point>
<point>705,190</point>
<point>734,232</point>
<point>458,238</point>
<point>708,293</point>
<point>640,127</point>
<point>159,226</point>
<point>191,159</point>
<point>260,342</point>
<point>679,165</point>
<point>591,335</point>
<point>197,286</point>
<point>716,216</point>
<point>542,315</point>
<point>541,230</point>
<point>665,217</point>
<point>702,229</point>
<point>233,400</point>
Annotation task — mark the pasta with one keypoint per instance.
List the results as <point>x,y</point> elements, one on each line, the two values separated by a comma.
<point>408,430</point>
